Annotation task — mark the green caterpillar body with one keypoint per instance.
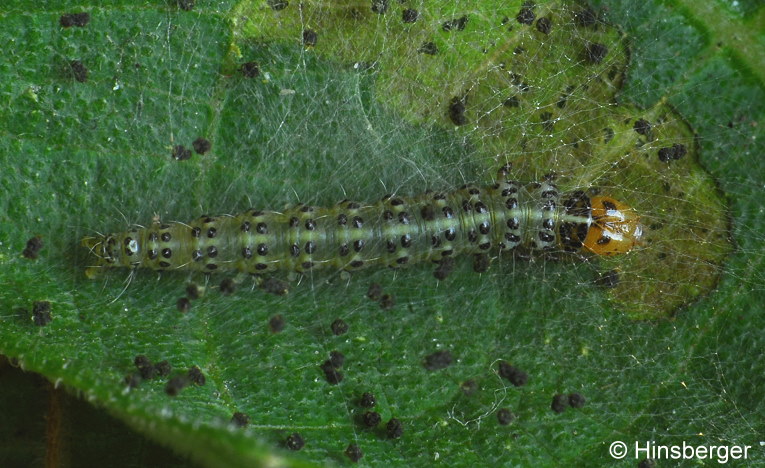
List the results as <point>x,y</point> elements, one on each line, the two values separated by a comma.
<point>393,232</point>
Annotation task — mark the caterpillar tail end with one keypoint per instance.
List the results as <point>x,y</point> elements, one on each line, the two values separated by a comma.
<point>95,248</point>
<point>93,272</point>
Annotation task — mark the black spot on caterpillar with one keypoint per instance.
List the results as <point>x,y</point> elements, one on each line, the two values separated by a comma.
<point>393,232</point>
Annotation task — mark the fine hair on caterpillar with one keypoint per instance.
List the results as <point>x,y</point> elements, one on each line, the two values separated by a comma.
<point>393,232</point>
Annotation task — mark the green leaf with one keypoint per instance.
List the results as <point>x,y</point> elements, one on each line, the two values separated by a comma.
<point>356,115</point>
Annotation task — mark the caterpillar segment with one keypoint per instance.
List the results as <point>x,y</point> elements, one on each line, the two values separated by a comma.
<point>393,232</point>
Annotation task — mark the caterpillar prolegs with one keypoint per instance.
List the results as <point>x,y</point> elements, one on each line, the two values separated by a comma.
<point>394,232</point>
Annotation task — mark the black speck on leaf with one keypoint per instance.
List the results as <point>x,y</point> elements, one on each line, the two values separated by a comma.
<point>576,400</point>
<point>193,291</point>
<point>145,367</point>
<point>41,315</point>
<point>250,69</point>
<point>331,373</point>
<point>371,419</point>
<point>457,111</point>
<point>141,361</point>
<point>133,380</point>
<point>186,5</point>
<point>176,384</point>
<point>336,359</point>
<point>310,37</point>
<point>183,305</point>
<point>240,419</point>
<point>559,403</point>
<point>394,428</point>
<point>481,263</point>
<point>387,302</point>
<point>79,70</point>
<point>457,24</point>
<point>428,48</point>
<point>201,145</point>
<point>512,102</point>
<point>278,5</point>
<point>181,153</point>
<point>444,269</point>
<point>33,247</point>
<point>294,441</point>
<point>353,452</point>
<point>227,286</point>
<point>74,19</point>
<point>586,18</point>
<point>594,53</point>
<point>368,400</point>
<point>438,360</point>
<point>526,15</point>
<point>380,6</point>
<point>505,416</point>
<point>409,15</point>
<point>544,25</point>
<point>339,327</point>
<point>163,368</point>
<point>374,291</point>
<point>642,127</point>
<point>196,376</point>
<point>608,279</point>
<point>516,376</point>
<point>469,387</point>
<point>275,286</point>
<point>276,323</point>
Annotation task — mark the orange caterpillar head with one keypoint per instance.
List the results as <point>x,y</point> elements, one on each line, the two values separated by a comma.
<point>615,228</point>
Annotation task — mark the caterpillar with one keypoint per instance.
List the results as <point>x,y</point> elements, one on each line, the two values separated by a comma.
<point>393,232</point>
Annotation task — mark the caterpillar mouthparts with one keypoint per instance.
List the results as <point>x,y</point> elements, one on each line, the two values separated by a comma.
<point>394,232</point>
